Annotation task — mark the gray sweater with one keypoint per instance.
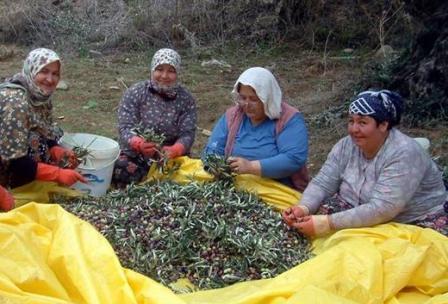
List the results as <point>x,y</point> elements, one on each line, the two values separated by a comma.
<point>401,183</point>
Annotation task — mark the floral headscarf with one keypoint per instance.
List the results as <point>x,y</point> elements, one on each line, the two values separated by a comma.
<point>265,86</point>
<point>165,56</point>
<point>33,64</point>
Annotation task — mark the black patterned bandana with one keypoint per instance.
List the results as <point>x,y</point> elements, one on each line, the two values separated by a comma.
<point>382,105</point>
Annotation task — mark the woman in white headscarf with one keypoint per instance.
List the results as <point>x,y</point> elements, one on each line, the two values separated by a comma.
<point>159,104</point>
<point>28,146</point>
<point>262,134</point>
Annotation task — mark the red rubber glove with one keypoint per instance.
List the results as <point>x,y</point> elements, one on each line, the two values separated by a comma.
<point>52,173</point>
<point>313,225</point>
<point>174,151</point>
<point>58,153</point>
<point>292,214</point>
<point>139,145</point>
<point>6,200</point>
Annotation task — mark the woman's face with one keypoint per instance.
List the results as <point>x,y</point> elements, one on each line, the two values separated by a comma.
<point>48,77</point>
<point>367,134</point>
<point>252,105</point>
<point>165,75</point>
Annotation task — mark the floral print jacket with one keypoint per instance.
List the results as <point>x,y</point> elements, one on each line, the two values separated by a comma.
<point>24,129</point>
<point>173,117</point>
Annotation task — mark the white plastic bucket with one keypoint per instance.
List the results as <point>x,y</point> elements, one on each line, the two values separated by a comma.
<point>99,165</point>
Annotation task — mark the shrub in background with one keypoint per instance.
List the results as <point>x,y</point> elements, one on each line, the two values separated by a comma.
<point>64,25</point>
<point>138,24</point>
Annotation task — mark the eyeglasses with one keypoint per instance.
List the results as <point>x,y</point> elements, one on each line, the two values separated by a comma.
<point>250,101</point>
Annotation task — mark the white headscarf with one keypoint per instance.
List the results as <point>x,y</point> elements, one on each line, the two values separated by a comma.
<point>265,86</point>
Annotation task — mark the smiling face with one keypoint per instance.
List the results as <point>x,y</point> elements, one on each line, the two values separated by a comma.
<point>252,106</point>
<point>367,134</point>
<point>165,75</point>
<point>48,77</point>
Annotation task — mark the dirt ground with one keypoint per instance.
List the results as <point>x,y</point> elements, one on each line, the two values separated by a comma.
<point>310,81</point>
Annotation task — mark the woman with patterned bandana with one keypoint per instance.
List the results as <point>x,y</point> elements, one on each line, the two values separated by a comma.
<point>28,146</point>
<point>159,104</point>
<point>375,175</point>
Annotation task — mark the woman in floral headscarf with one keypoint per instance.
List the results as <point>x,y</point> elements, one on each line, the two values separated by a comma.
<point>375,175</point>
<point>28,145</point>
<point>159,104</point>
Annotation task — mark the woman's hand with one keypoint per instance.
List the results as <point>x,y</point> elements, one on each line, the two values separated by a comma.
<point>139,145</point>
<point>313,225</point>
<point>174,151</point>
<point>63,157</point>
<point>292,214</point>
<point>52,173</point>
<point>6,200</point>
<point>310,225</point>
<point>241,165</point>
<point>68,177</point>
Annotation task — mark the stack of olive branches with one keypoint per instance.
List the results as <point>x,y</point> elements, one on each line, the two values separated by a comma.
<point>219,167</point>
<point>149,134</point>
<point>81,153</point>
<point>208,233</point>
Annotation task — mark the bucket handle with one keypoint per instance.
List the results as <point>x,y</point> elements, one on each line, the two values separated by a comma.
<point>108,164</point>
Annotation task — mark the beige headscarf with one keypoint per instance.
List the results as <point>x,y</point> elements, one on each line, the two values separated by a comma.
<point>34,62</point>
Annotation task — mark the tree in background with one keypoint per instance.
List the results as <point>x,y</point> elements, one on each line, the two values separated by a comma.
<point>422,72</point>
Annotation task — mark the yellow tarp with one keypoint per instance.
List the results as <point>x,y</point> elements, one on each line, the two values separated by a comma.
<point>39,191</point>
<point>48,255</point>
